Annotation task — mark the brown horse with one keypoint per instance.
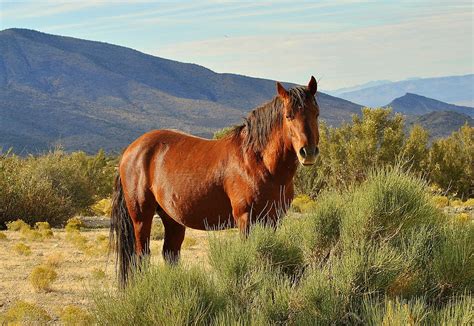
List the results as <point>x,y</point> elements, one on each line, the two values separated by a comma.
<point>207,184</point>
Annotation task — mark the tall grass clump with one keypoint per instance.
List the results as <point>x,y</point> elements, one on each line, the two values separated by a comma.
<point>378,252</point>
<point>25,313</point>
<point>72,315</point>
<point>161,295</point>
<point>42,277</point>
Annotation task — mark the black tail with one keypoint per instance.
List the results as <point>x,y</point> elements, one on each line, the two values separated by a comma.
<point>122,236</point>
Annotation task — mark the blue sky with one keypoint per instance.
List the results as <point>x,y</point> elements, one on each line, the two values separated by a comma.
<point>342,43</point>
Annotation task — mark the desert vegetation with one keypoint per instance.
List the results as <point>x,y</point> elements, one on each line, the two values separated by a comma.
<point>381,232</point>
<point>377,253</point>
<point>52,187</point>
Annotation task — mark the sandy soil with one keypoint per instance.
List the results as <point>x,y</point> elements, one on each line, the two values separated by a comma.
<point>77,270</point>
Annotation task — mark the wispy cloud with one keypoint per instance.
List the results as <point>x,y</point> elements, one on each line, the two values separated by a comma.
<point>47,8</point>
<point>346,57</point>
<point>345,42</point>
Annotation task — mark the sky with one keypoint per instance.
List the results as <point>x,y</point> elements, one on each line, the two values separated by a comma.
<point>341,43</point>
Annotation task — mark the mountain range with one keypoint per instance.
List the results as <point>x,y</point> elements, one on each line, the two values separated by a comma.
<point>87,95</point>
<point>451,89</point>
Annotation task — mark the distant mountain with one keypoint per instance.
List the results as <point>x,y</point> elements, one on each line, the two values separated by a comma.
<point>440,123</point>
<point>414,104</point>
<point>336,92</point>
<point>454,89</point>
<point>88,95</point>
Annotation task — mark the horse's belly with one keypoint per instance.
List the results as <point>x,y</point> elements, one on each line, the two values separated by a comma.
<point>201,209</point>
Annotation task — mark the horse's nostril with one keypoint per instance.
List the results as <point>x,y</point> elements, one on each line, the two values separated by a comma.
<point>303,152</point>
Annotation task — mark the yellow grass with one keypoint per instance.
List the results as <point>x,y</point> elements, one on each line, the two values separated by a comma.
<point>77,270</point>
<point>22,249</point>
<point>42,277</point>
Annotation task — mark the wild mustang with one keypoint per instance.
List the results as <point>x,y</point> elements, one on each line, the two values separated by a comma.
<point>207,184</point>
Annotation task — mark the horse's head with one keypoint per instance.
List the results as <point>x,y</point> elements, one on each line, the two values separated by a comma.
<point>300,120</point>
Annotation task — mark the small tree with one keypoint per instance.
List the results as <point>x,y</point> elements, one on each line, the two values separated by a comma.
<point>451,162</point>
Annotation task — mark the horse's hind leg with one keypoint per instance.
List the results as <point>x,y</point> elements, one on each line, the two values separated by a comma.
<point>174,236</point>
<point>141,211</point>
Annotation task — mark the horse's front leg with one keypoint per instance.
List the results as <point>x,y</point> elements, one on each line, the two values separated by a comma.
<point>242,219</point>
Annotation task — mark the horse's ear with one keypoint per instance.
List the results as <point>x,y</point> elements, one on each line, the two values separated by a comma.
<point>313,86</point>
<point>282,91</point>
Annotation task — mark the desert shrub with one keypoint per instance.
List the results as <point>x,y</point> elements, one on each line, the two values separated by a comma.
<point>453,261</point>
<point>25,313</point>
<point>77,239</point>
<point>161,295</point>
<point>458,311</point>
<point>395,312</point>
<point>320,228</point>
<point>440,201</point>
<point>47,234</point>
<point>18,225</point>
<point>33,235</point>
<point>377,139</point>
<point>378,252</point>
<point>157,230</point>
<point>72,315</point>
<point>22,249</point>
<point>54,260</point>
<point>317,300</point>
<point>469,202</point>
<point>103,207</point>
<point>3,236</point>
<point>451,162</point>
<point>42,277</point>
<point>100,246</point>
<point>349,152</point>
<point>303,203</point>
<point>42,226</point>
<point>54,186</point>
<point>74,224</point>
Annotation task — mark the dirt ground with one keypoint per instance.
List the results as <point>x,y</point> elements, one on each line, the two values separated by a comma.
<point>78,270</point>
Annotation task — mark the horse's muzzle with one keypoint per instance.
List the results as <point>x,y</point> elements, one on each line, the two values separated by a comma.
<point>307,155</point>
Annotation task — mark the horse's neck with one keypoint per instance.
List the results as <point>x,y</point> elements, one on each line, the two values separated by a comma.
<point>279,157</point>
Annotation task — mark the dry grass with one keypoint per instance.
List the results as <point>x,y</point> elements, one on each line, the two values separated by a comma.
<point>22,249</point>
<point>78,270</point>
<point>42,277</point>
<point>73,315</point>
<point>25,313</point>
<point>54,259</point>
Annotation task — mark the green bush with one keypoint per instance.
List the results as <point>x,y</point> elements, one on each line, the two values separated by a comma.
<point>52,187</point>
<point>378,253</point>
<point>377,139</point>
<point>303,203</point>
